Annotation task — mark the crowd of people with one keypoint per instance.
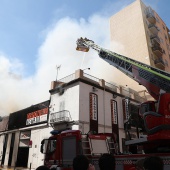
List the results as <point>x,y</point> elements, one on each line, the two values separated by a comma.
<point>107,162</point>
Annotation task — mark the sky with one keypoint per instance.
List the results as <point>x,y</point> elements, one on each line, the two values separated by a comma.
<point>37,36</point>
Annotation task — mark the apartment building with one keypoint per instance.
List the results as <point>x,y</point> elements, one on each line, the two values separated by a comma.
<point>138,32</point>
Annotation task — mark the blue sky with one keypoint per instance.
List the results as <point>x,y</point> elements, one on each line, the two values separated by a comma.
<point>23,22</point>
<point>38,35</point>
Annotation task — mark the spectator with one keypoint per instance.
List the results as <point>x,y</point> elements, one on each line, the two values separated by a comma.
<point>153,163</point>
<point>81,162</point>
<point>42,167</point>
<point>107,162</point>
<point>139,164</point>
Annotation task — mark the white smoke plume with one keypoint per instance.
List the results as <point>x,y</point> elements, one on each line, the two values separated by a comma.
<point>58,48</point>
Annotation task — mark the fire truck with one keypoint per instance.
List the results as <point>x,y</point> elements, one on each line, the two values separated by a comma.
<point>152,122</point>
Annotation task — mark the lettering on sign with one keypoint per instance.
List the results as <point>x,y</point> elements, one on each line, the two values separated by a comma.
<point>127,108</point>
<point>37,116</point>
<point>93,106</point>
<point>114,111</point>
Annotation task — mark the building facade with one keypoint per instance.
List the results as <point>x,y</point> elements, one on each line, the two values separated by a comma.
<point>138,32</point>
<point>94,105</point>
<point>20,136</point>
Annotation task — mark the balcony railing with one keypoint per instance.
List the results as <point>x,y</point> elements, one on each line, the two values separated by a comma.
<point>150,15</point>
<point>157,50</point>
<point>59,117</point>
<point>151,18</point>
<point>155,38</point>
<point>112,87</point>
<point>153,28</point>
<point>68,78</point>
<point>159,63</point>
<point>91,77</point>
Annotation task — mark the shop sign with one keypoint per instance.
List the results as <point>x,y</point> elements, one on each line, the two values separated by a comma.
<point>37,116</point>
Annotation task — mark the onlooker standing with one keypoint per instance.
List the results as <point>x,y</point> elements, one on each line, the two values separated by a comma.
<point>153,163</point>
<point>139,164</point>
<point>42,167</point>
<point>81,162</point>
<point>107,162</point>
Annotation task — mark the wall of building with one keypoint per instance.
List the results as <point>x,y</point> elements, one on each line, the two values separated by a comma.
<point>131,32</point>
<point>128,38</point>
<point>36,158</point>
<point>69,101</point>
<point>103,108</point>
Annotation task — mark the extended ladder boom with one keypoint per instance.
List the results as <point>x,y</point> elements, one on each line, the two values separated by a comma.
<point>152,78</point>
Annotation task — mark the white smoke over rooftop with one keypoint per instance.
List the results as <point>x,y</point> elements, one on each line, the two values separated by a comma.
<point>59,48</point>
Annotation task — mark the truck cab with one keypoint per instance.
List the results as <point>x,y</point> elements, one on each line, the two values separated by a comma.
<point>61,148</point>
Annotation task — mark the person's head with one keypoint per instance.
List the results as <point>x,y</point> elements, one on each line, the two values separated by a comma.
<point>107,162</point>
<point>80,162</point>
<point>153,163</point>
<point>42,167</point>
<point>139,164</point>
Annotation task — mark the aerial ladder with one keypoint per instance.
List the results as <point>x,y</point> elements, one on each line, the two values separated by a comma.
<point>154,114</point>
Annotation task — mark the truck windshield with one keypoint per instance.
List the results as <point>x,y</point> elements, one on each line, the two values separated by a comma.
<point>49,145</point>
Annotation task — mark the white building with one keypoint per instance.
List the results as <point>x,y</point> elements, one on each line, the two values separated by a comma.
<point>95,105</point>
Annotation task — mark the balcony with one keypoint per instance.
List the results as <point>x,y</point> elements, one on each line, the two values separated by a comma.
<point>157,50</point>
<point>153,28</point>
<point>159,63</point>
<point>151,18</point>
<point>150,15</point>
<point>155,39</point>
<point>60,117</point>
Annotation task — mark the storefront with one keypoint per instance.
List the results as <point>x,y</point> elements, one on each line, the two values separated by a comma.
<point>21,141</point>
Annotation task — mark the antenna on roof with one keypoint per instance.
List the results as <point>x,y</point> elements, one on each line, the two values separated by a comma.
<point>58,68</point>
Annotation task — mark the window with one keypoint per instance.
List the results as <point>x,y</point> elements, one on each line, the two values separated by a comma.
<point>48,145</point>
<point>68,150</point>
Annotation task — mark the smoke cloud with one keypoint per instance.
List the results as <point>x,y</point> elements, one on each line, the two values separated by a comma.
<point>58,48</point>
